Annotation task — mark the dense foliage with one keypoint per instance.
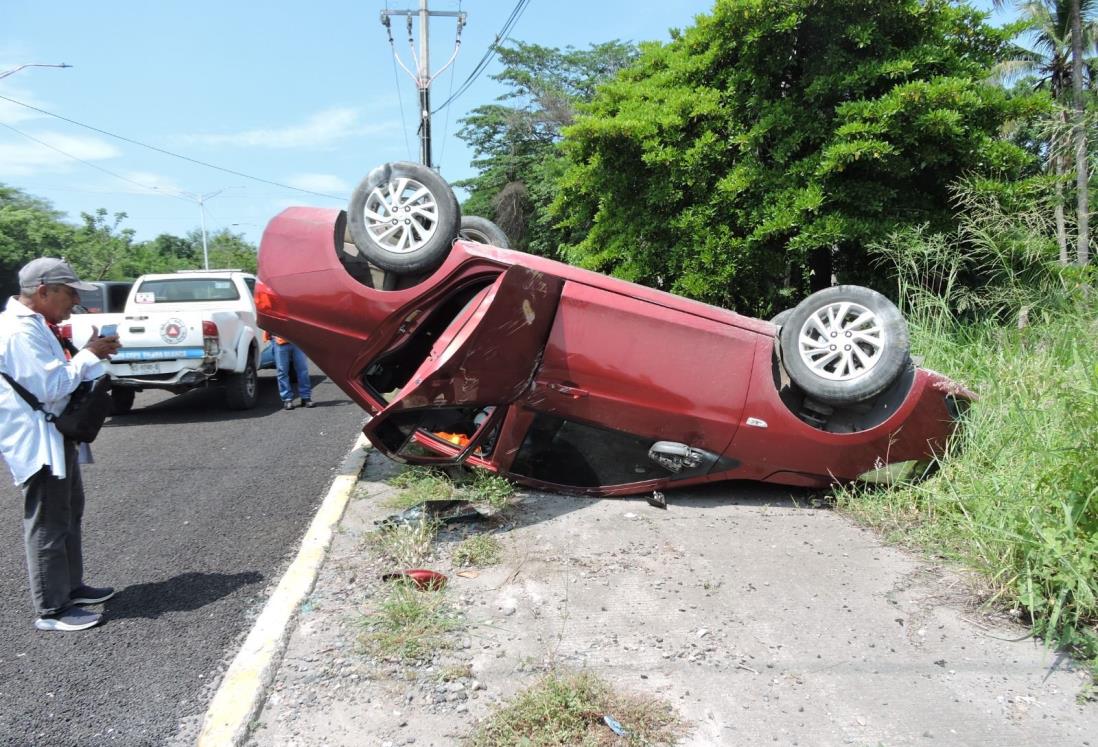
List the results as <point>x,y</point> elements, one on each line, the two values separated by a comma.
<point>99,248</point>
<point>514,140</point>
<point>774,137</point>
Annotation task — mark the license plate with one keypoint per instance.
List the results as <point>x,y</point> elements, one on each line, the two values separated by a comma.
<point>145,368</point>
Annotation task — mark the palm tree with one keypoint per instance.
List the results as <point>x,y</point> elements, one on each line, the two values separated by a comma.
<point>1062,32</point>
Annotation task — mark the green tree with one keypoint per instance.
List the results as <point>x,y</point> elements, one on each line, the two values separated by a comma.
<point>101,249</point>
<point>514,139</point>
<point>29,228</point>
<point>1051,59</point>
<point>227,250</point>
<point>771,137</point>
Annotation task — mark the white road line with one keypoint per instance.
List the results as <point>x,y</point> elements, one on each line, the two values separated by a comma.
<point>242,692</point>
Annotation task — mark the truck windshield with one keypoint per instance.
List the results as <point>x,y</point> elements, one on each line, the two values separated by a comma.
<point>183,290</point>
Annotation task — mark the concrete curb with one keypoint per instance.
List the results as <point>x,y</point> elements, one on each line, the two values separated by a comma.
<point>240,696</point>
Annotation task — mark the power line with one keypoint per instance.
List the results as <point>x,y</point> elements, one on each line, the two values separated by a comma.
<point>504,32</point>
<point>86,163</point>
<point>170,153</point>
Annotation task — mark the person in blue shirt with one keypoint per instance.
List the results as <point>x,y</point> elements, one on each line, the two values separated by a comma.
<point>45,464</point>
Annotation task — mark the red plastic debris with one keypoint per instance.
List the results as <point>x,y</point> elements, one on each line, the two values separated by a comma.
<point>421,577</point>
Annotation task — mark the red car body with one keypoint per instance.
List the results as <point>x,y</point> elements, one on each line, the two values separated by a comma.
<point>566,379</point>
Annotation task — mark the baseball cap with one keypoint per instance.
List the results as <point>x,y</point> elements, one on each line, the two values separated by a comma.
<point>49,270</point>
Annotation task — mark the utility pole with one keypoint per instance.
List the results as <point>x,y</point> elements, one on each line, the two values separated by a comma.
<point>423,76</point>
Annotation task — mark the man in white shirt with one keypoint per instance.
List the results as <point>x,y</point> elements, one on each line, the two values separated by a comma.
<point>42,461</point>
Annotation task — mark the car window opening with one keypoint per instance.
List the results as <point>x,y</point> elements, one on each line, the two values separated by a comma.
<point>411,434</point>
<point>389,373</point>
<point>565,452</point>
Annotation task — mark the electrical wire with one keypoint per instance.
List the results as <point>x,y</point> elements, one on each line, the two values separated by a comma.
<point>504,32</point>
<point>90,164</point>
<point>446,127</point>
<point>170,153</point>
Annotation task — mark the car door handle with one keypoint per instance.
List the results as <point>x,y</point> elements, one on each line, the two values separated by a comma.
<point>569,391</point>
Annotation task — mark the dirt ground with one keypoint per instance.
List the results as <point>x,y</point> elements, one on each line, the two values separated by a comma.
<point>760,618</point>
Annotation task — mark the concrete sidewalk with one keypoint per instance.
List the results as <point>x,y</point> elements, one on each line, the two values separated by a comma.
<point>758,619</point>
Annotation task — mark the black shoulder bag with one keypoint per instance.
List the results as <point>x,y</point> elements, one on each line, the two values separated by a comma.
<point>82,418</point>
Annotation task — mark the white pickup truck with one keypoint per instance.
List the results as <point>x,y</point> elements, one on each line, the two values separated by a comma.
<point>180,331</point>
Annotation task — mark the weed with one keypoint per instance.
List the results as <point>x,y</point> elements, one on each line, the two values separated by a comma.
<point>478,550</point>
<point>419,484</point>
<point>488,489</point>
<point>410,625</point>
<point>404,545</point>
<point>568,709</point>
<point>456,672</point>
<point>1017,493</point>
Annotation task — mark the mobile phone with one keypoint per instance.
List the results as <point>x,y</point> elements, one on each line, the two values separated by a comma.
<point>108,330</point>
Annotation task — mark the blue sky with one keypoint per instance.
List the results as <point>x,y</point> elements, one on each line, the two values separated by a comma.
<point>303,95</point>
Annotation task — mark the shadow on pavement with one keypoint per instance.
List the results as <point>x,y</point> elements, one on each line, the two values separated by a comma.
<point>207,405</point>
<point>540,506</point>
<point>187,591</point>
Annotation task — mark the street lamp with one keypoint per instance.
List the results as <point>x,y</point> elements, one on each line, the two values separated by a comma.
<point>201,199</point>
<point>14,70</point>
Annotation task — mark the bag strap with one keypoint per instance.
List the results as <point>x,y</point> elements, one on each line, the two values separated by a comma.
<point>30,398</point>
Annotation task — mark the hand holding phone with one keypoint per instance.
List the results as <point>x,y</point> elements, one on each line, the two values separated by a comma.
<point>108,330</point>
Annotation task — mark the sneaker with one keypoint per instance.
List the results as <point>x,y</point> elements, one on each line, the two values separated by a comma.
<point>287,405</point>
<point>307,403</point>
<point>91,595</point>
<point>70,618</point>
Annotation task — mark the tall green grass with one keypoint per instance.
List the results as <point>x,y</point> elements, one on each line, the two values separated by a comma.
<point>1017,496</point>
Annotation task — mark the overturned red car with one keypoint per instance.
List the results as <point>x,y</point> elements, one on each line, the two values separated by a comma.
<point>561,378</point>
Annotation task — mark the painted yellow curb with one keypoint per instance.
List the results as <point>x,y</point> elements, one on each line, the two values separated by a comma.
<point>241,694</point>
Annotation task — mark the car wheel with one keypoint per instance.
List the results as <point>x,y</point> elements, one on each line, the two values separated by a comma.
<point>845,344</point>
<point>781,317</point>
<point>403,217</point>
<point>482,230</point>
<point>242,389</point>
<point>122,400</point>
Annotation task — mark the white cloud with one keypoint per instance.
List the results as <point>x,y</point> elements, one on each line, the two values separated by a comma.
<point>326,183</point>
<point>321,129</point>
<point>22,157</point>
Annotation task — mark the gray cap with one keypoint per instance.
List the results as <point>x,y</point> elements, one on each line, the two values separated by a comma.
<point>50,270</point>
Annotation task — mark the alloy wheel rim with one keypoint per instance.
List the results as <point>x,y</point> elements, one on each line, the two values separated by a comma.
<point>841,341</point>
<point>401,215</point>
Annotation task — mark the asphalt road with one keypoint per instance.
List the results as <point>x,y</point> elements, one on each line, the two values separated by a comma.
<point>192,513</point>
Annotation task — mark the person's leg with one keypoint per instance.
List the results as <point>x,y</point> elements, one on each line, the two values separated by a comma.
<point>74,546</point>
<point>282,365</point>
<point>47,517</point>
<point>301,367</point>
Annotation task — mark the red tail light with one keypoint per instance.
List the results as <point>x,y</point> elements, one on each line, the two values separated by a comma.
<point>66,331</point>
<point>209,329</point>
<point>266,300</point>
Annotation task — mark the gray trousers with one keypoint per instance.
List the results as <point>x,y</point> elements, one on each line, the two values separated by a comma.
<point>52,511</point>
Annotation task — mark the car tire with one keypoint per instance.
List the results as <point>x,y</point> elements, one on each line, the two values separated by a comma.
<point>242,389</point>
<point>845,344</point>
<point>482,230</point>
<point>781,317</point>
<point>122,400</point>
<point>404,217</point>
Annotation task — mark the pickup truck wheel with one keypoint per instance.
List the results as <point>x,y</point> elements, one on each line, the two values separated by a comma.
<point>404,217</point>
<point>482,230</point>
<point>122,400</point>
<point>241,390</point>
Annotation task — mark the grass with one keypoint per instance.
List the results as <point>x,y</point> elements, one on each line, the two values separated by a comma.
<point>418,484</point>
<point>568,708</point>
<point>404,545</point>
<point>479,550</point>
<point>409,625</point>
<point>1017,496</point>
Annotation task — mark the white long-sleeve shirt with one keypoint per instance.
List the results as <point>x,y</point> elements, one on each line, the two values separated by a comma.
<point>31,355</point>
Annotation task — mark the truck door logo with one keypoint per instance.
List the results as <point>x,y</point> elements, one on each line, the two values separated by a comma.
<point>173,331</point>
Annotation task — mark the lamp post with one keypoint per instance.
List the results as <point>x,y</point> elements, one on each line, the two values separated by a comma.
<point>201,199</point>
<point>14,70</point>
